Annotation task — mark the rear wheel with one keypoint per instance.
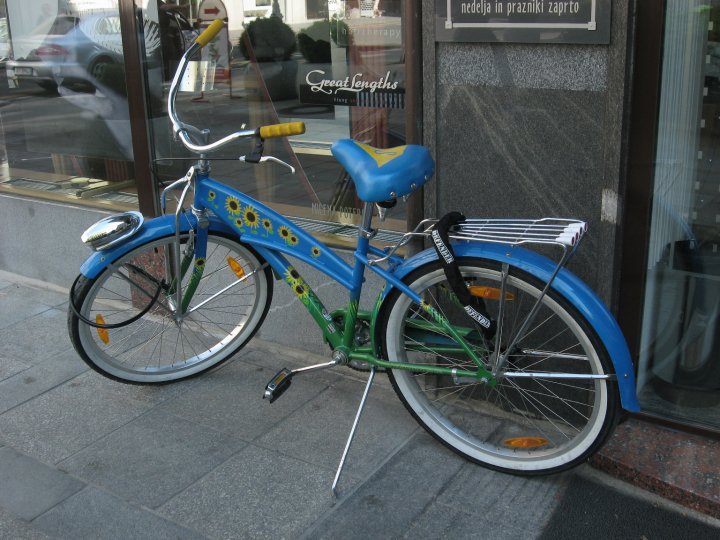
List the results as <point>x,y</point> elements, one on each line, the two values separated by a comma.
<point>528,424</point>
<point>137,337</point>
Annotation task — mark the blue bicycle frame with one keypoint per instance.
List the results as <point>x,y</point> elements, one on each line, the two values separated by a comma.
<point>220,208</point>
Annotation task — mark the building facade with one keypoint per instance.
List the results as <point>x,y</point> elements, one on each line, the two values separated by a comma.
<point>602,110</point>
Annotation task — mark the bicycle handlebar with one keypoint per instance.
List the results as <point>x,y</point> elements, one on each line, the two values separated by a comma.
<point>181,129</point>
<point>210,32</point>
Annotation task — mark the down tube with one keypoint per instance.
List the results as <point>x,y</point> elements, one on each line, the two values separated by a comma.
<point>332,334</point>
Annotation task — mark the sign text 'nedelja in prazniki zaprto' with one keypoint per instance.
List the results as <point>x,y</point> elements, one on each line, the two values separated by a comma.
<point>523,21</point>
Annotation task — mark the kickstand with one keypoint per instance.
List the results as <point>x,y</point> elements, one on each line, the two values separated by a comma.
<point>352,430</point>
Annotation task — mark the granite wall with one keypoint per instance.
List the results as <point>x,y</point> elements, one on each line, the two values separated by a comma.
<point>523,130</point>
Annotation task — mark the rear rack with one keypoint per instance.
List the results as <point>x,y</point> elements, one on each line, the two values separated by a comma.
<point>566,233</point>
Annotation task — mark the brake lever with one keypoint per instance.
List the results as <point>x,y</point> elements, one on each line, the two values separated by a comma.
<point>270,159</point>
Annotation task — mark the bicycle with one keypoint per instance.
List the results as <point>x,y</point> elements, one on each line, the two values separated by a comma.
<point>499,352</point>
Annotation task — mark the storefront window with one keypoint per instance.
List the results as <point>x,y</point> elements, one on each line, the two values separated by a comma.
<point>65,130</point>
<point>679,374</point>
<point>338,66</point>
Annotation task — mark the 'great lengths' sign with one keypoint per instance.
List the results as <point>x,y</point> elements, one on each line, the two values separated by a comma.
<point>523,21</point>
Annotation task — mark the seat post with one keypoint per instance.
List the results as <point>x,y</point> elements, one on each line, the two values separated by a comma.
<point>365,229</point>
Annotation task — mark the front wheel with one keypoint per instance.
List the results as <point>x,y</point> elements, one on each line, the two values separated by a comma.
<point>138,339</point>
<point>528,424</point>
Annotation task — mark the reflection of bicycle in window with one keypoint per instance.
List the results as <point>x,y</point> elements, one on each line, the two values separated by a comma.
<point>501,354</point>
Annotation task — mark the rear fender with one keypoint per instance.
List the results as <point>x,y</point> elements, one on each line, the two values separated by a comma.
<point>566,283</point>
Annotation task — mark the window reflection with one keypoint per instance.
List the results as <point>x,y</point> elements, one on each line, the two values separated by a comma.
<point>338,66</point>
<point>679,374</point>
<point>66,130</point>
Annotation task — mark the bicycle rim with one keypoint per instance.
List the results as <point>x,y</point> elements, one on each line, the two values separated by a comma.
<point>227,307</point>
<point>522,425</point>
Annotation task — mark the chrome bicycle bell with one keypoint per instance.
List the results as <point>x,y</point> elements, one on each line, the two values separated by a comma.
<point>112,230</point>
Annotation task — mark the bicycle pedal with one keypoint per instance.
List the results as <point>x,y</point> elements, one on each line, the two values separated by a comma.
<point>278,384</point>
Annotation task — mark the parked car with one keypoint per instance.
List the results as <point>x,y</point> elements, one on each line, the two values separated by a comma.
<point>81,50</point>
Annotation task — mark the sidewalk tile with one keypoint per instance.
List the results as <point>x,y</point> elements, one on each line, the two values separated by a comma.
<point>255,494</point>
<point>230,400</point>
<point>317,432</point>
<point>440,521</point>
<point>503,493</point>
<point>38,379</point>
<point>38,337</point>
<point>152,458</point>
<point>16,308</point>
<point>29,487</point>
<point>18,529</point>
<point>93,513</point>
<point>10,366</point>
<point>68,418</point>
<point>387,505</point>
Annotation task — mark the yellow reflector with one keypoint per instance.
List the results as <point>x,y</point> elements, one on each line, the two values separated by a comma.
<point>236,267</point>
<point>491,293</point>
<point>526,442</point>
<point>102,332</point>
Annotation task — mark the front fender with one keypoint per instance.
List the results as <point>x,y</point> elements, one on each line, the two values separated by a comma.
<point>151,229</point>
<point>566,283</point>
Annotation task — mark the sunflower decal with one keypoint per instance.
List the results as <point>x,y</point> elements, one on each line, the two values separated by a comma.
<point>212,195</point>
<point>232,205</point>
<point>251,217</point>
<point>292,276</point>
<point>301,292</point>
<point>239,223</point>
<point>293,240</point>
<point>267,225</point>
<point>200,263</point>
<point>315,251</point>
<point>284,233</point>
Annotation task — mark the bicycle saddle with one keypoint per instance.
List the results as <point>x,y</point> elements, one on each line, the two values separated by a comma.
<point>381,174</point>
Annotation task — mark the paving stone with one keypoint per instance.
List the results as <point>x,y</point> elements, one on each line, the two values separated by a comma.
<point>387,505</point>
<point>16,308</point>
<point>481,503</point>
<point>49,297</point>
<point>18,529</point>
<point>255,494</point>
<point>230,400</point>
<point>29,487</point>
<point>503,493</point>
<point>63,421</point>
<point>38,379</point>
<point>38,337</point>
<point>317,431</point>
<point>93,513</point>
<point>10,366</point>
<point>152,458</point>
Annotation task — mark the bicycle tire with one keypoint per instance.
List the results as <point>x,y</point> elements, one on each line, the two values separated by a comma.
<point>522,426</point>
<point>154,349</point>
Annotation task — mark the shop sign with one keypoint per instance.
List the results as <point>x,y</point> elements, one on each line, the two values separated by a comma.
<point>523,21</point>
<point>357,90</point>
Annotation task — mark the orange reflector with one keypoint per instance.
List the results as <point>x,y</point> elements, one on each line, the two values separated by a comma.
<point>102,332</point>
<point>526,442</point>
<point>236,267</point>
<point>491,293</point>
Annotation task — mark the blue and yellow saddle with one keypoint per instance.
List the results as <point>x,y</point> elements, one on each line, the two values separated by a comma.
<point>381,174</point>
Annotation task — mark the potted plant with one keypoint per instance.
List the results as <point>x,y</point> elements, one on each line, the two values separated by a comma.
<point>270,42</point>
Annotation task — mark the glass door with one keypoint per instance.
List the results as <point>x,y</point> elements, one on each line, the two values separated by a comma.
<point>338,66</point>
<point>679,372</point>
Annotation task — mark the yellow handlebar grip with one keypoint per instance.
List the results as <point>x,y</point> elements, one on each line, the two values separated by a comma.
<point>210,32</point>
<point>282,130</point>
